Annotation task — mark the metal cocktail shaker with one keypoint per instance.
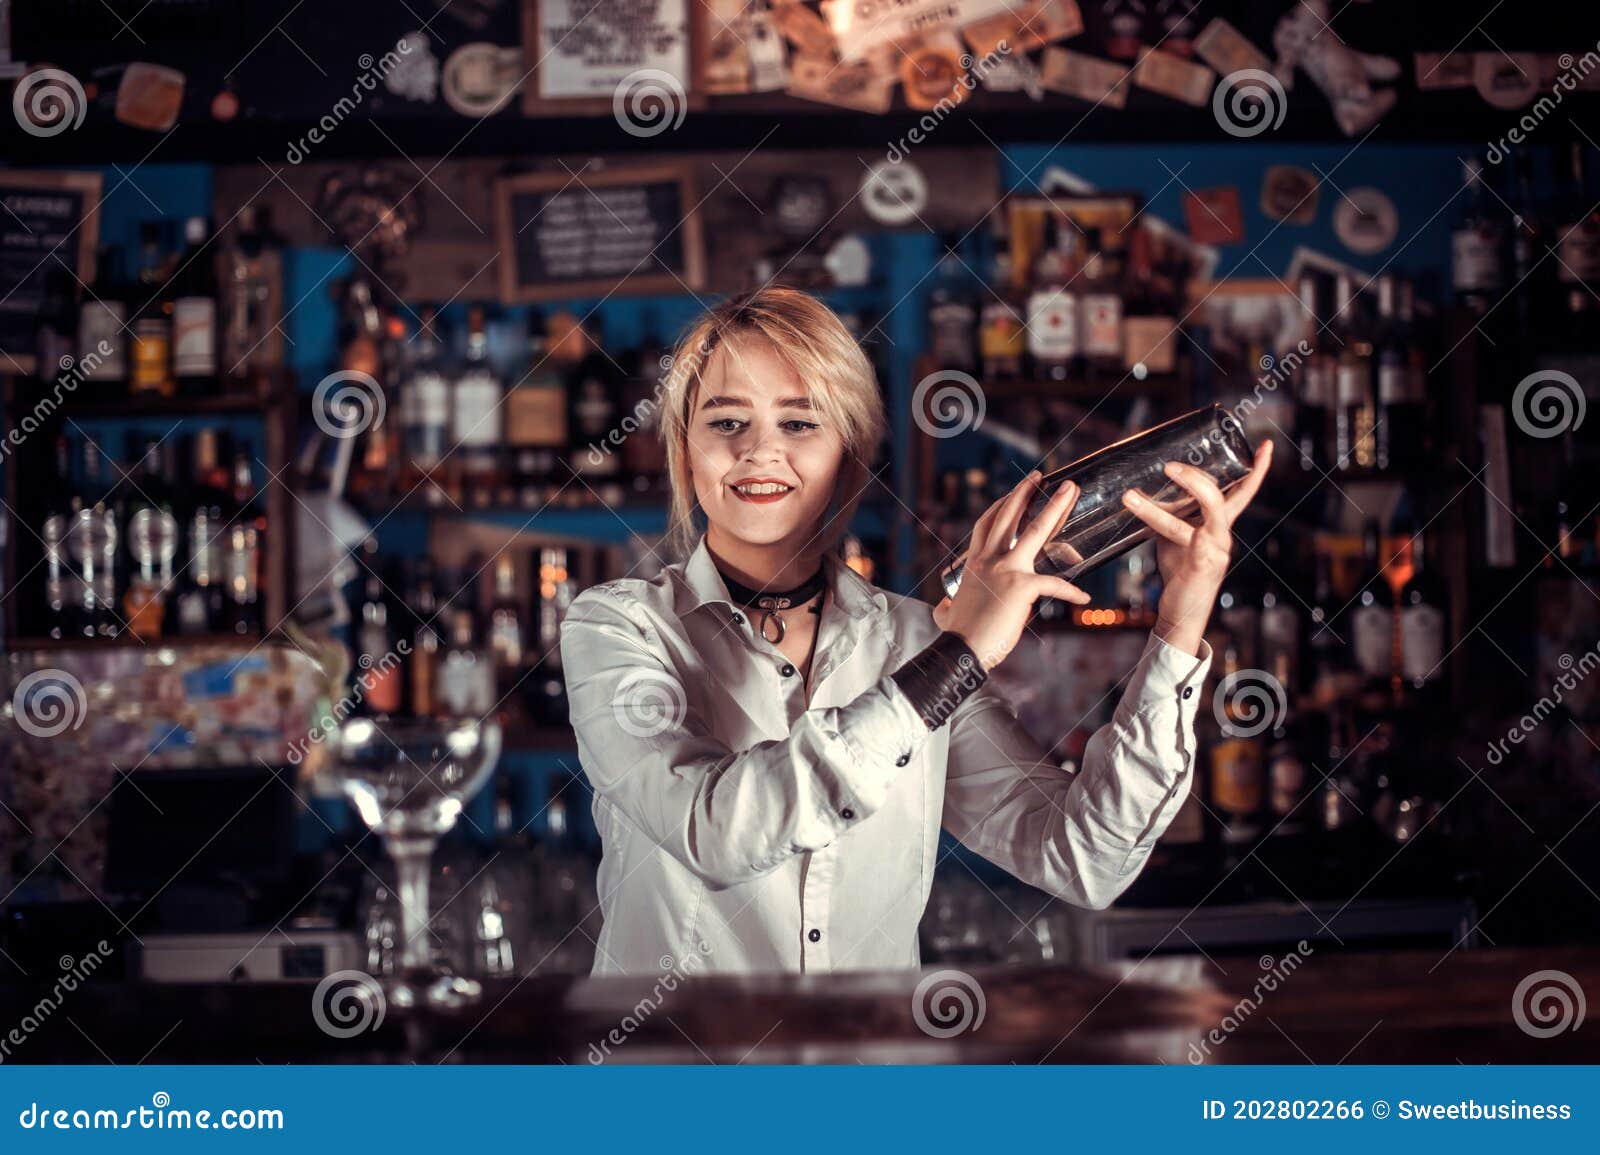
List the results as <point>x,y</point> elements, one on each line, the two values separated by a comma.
<point>1100,526</point>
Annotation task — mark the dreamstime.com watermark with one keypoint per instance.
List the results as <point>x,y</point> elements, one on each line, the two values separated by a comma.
<point>948,1003</point>
<point>1588,661</point>
<point>1277,973</point>
<point>386,666</point>
<point>642,417</point>
<point>1573,69</point>
<point>648,102</point>
<point>1548,1003</point>
<point>972,73</point>
<point>73,374</point>
<point>348,1003</point>
<point>372,71</point>
<point>1548,403</point>
<point>75,972</point>
<point>676,971</point>
<point>47,703</point>
<point>159,1116</point>
<point>1275,371</point>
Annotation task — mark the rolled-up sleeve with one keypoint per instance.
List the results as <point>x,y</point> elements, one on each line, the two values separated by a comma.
<point>728,815</point>
<point>1083,837</point>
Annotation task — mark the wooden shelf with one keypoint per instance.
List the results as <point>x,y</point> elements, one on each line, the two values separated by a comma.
<point>129,642</point>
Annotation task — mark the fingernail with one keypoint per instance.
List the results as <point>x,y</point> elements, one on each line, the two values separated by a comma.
<point>1169,468</point>
<point>1132,498</point>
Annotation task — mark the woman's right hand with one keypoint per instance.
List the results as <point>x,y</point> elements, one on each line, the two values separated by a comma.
<point>998,582</point>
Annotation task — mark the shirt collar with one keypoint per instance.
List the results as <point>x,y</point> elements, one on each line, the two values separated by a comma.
<point>700,584</point>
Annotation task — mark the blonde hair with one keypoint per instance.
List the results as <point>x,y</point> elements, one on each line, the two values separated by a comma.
<point>811,339</point>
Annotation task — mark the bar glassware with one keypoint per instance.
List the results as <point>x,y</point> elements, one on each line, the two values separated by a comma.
<point>409,780</point>
<point>1100,527</point>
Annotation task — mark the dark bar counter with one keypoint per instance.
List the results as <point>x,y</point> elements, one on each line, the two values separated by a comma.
<point>1335,1007</point>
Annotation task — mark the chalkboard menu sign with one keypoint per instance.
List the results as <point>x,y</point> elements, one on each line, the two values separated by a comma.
<point>47,220</point>
<point>629,230</point>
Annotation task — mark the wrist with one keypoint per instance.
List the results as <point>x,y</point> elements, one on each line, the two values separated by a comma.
<point>940,677</point>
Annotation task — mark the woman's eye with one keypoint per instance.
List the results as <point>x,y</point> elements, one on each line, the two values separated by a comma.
<point>798,426</point>
<point>724,424</point>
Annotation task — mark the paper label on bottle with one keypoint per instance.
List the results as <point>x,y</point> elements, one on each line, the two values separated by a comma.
<point>1372,630</point>
<point>537,416</point>
<point>1353,383</point>
<point>1393,383</point>
<point>194,336</point>
<point>1053,324</point>
<point>1152,341</point>
<point>477,411</point>
<point>1226,49</point>
<point>1084,77</point>
<point>1317,383</point>
<point>1579,253</point>
<point>1474,261</point>
<point>1421,642</point>
<point>1236,776</point>
<point>427,401</point>
<point>101,326</point>
<point>151,345</point>
<point>1102,325</point>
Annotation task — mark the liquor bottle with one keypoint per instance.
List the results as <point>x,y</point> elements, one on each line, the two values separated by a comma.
<point>425,401</point>
<point>1124,28</point>
<point>505,621</point>
<point>1001,343</point>
<point>466,676</point>
<point>1530,273</point>
<point>952,316</point>
<point>194,313</point>
<point>1102,308</point>
<point>476,417</point>
<point>1355,408</point>
<point>1053,312</point>
<point>1400,438</point>
<point>1313,427</point>
<point>536,417</point>
<point>556,590</point>
<point>152,545</point>
<point>594,399</point>
<point>644,454</point>
<point>252,275</point>
<point>244,550</point>
<point>1477,241</point>
<point>103,329</point>
<point>1372,619</point>
<point>379,671</point>
<point>1424,606</point>
<point>95,544</point>
<point>1286,782</point>
<point>426,645</point>
<point>1236,763</point>
<point>1239,608</point>
<point>1327,646</point>
<point>61,598</point>
<point>200,604</point>
<point>1281,624</point>
<point>150,370</point>
<point>1578,248</point>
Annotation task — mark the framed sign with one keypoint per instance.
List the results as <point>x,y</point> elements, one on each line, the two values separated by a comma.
<point>47,220</point>
<point>631,229</point>
<point>588,57</point>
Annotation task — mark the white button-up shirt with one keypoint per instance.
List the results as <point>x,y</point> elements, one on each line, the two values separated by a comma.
<point>751,830</point>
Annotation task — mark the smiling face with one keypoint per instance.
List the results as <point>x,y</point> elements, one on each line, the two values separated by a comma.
<point>751,421</point>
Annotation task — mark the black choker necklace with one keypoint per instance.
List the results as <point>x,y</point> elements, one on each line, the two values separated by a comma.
<point>771,601</point>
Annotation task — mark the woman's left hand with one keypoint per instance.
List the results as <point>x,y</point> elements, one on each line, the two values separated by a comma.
<point>1194,558</point>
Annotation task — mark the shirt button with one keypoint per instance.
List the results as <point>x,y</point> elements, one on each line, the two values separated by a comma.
<point>1188,691</point>
<point>815,935</point>
<point>847,814</point>
<point>738,619</point>
<point>902,760</point>
<point>786,670</point>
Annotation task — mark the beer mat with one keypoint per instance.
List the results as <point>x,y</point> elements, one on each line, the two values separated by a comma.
<point>805,29</point>
<point>1031,24</point>
<point>859,84</point>
<point>1084,77</point>
<point>1228,50</point>
<point>1174,76</point>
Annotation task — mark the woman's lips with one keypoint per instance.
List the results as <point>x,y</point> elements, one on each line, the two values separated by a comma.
<point>761,498</point>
